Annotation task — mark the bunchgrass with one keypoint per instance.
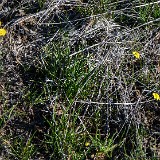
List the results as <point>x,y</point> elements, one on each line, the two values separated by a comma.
<point>74,89</point>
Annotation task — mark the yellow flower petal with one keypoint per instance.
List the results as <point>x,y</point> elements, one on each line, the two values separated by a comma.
<point>87,144</point>
<point>3,32</point>
<point>136,54</point>
<point>156,96</point>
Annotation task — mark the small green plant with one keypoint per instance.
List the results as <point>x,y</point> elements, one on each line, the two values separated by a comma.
<point>41,3</point>
<point>149,12</point>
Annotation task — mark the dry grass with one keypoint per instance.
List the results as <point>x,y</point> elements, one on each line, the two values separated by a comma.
<point>68,76</point>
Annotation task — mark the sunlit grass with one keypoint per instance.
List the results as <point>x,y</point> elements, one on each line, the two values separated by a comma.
<point>86,94</point>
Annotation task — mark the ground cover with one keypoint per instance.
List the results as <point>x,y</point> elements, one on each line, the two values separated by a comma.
<point>80,79</point>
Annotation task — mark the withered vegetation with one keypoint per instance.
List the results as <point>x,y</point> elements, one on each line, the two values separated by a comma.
<point>68,78</point>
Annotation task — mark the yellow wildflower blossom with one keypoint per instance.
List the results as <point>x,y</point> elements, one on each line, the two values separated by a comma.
<point>87,144</point>
<point>156,96</point>
<point>136,54</point>
<point>3,32</point>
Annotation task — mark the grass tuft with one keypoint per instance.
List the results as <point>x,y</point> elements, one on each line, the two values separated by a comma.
<point>79,80</point>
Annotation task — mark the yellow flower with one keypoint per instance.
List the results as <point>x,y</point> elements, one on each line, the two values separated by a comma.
<point>136,54</point>
<point>87,144</point>
<point>0,23</point>
<point>156,96</point>
<point>3,32</point>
